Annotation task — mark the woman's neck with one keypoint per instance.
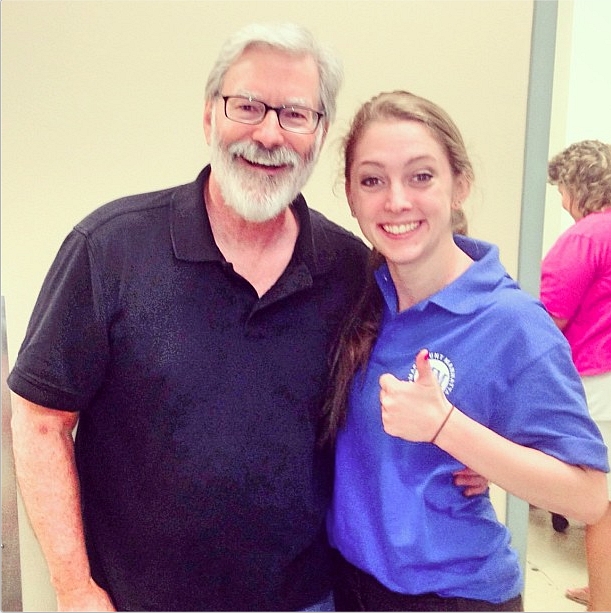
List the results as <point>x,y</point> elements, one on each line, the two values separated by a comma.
<point>417,282</point>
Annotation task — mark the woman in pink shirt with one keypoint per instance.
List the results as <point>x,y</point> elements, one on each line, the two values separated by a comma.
<point>576,290</point>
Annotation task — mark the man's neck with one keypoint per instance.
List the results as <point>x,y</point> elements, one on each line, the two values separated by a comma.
<point>258,251</point>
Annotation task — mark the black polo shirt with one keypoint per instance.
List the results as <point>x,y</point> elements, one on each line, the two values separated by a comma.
<point>198,401</point>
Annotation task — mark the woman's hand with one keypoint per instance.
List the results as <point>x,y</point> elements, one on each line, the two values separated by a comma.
<point>414,410</point>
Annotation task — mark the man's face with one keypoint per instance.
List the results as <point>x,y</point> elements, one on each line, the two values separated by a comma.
<point>258,170</point>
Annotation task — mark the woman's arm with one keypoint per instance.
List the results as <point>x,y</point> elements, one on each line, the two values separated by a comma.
<point>561,323</point>
<point>530,474</point>
<point>598,557</point>
<point>46,472</point>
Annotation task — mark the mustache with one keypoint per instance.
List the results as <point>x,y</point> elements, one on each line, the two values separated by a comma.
<point>257,154</point>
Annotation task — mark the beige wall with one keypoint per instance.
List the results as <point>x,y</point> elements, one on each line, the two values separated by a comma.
<point>101,99</point>
<point>582,92</point>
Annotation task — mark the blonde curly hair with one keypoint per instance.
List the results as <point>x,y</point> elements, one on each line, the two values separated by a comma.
<point>583,169</point>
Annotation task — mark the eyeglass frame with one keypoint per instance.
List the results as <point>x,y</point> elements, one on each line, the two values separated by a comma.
<point>277,109</point>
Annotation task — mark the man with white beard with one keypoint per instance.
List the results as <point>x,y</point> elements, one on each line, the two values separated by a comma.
<point>186,332</point>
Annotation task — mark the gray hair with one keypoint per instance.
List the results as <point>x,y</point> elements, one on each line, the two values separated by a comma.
<point>290,38</point>
<point>584,170</point>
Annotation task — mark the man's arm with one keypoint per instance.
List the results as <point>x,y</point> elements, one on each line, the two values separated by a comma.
<point>49,485</point>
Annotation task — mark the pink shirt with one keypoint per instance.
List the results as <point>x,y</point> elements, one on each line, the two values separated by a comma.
<point>576,285</point>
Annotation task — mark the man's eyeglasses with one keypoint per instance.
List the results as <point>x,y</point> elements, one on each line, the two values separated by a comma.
<point>293,118</point>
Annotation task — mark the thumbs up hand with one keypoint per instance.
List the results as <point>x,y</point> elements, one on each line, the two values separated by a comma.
<point>414,410</point>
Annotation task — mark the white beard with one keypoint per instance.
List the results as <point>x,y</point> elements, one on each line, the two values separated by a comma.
<point>250,194</point>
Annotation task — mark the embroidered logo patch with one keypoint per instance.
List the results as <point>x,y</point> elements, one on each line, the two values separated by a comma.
<point>443,369</point>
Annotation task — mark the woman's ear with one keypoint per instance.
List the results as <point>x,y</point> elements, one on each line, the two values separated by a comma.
<point>462,189</point>
<point>348,198</point>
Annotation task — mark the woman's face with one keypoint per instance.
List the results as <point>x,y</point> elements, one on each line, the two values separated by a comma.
<point>401,189</point>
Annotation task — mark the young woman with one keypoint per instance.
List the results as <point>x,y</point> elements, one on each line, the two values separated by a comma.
<point>444,363</point>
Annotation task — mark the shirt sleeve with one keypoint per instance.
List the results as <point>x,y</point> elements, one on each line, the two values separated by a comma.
<point>544,407</point>
<point>63,357</point>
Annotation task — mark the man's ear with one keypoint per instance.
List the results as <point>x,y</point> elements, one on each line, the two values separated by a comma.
<point>207,119</point>
<point>325,130</point>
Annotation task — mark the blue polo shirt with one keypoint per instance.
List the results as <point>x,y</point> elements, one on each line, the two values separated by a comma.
<point>199,402</point>
<point>396,513</point>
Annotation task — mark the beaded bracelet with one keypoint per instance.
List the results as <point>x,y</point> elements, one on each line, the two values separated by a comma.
<point>443,423</point>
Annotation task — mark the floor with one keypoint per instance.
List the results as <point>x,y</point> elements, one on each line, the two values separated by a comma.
<point>554,561</point>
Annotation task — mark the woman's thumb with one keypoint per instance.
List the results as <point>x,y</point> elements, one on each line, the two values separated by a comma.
<point>423,366</point>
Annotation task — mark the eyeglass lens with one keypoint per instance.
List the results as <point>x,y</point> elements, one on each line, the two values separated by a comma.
<point>293,118</point>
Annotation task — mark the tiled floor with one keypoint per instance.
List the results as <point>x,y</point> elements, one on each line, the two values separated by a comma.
<point>554,561</point>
